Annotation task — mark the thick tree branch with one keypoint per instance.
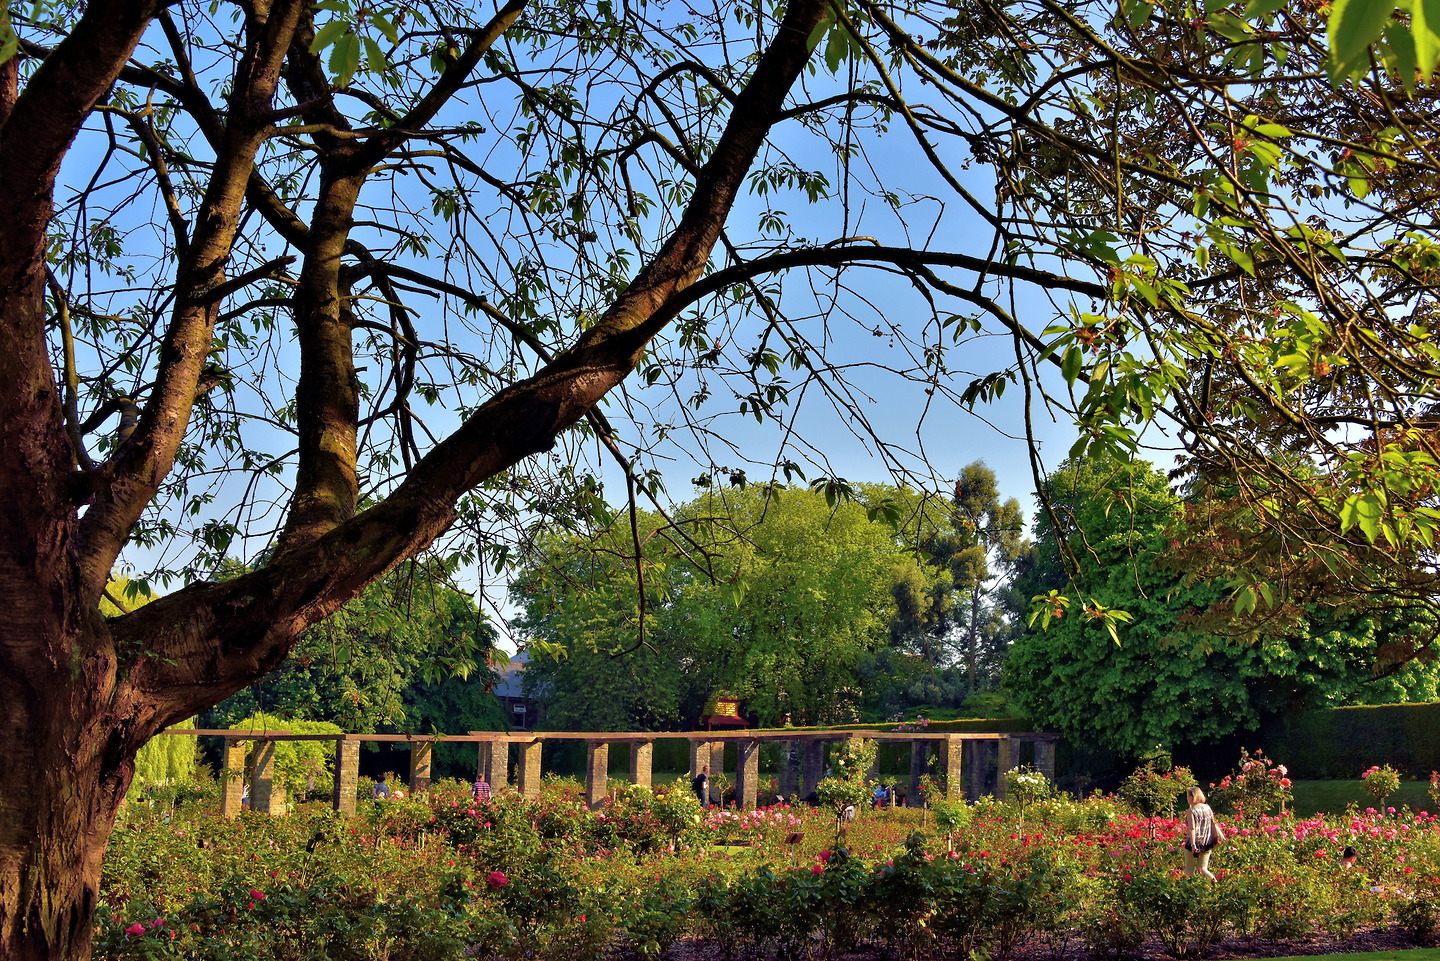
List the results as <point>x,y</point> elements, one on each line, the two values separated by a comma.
<point>257,616</point>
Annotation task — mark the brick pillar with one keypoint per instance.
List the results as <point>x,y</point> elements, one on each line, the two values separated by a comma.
<point>788,776</point>
<point>496,763</point>
<point>420,753</point>
<point>812,767</point>
<point>1045,758</point>
<point>347,775</point>
<point>699,756</point>
<point>265,794</point>
<point>530,768</point>
<point>597,772</point>
<point>1005,761</point>
<point>952,759</point>
<point>642,759</point>
<point>919,767</point>
<point>717,757</point>
<point>232,777</point>
<point>747,775</point>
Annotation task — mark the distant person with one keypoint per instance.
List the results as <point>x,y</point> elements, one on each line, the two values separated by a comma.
<point>1348,857</point>
<point>380,791</point>
<point>1202,834</point>
<point>701,786</point>
<point>481,790</point>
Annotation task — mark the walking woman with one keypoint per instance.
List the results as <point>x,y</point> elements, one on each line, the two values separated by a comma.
<point>1202,834</point>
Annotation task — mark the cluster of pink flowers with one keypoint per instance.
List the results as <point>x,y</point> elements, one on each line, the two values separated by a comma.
<point>156,927</point>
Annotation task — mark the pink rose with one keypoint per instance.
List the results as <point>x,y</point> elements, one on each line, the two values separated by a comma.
<point>497,879</point>
<point>135,930</point>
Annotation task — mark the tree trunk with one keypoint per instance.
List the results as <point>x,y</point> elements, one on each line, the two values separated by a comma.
<point>67,766</point>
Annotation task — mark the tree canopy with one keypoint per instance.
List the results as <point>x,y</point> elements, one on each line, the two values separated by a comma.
<point>771,595</point>
<point>1166,680</point>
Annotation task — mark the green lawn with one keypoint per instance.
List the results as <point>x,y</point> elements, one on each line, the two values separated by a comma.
<point>1331,797</point>
<point>1407,954</point>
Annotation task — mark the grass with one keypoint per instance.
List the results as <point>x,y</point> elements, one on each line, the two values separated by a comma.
<point>1332,797</point>
<point>1405,954</point>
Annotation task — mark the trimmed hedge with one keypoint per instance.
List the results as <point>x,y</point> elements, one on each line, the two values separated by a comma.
<point>1342,742</point>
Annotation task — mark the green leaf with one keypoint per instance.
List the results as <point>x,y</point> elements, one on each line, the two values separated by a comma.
<point>345,59</point>
<point>375,56</point>
<point>1401,46</point>
<point>328,34</point>
<point>1425,31</point>
<point>837,48</point>
<point>1245,600</point>
<point>1071,364</point>
<point>1261,8</point>
<point>1354,25</point>
<point>1363,511</point>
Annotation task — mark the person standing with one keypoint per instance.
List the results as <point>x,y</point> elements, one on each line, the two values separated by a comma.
<point>1202,834</point>
<point>481,790</point>
<point>701,786</point>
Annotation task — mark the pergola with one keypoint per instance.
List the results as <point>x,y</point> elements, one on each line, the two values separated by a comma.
<point>964,759</point>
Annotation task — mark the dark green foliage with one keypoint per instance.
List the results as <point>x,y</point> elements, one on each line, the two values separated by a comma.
<point>409,654</point>
<point>1344,742</point>
<point>1159,680</point>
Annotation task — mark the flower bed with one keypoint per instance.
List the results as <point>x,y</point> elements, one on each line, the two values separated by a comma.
<point>440,877</point>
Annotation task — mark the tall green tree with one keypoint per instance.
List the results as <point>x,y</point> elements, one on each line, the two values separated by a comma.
<point>1164,679</point>
<point>368,666</point>
<point>773,595</point>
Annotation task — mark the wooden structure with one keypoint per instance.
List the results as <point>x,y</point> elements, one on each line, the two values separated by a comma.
<point>722,711</point>
<point>966,760</point>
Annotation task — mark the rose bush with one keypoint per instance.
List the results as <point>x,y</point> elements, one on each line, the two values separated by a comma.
<point>440,877</point>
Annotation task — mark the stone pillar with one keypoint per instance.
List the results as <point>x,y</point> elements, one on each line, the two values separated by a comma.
<point>420,754</point>
<point>699,756</point>
<point>919,767</point>
<point>347,775</point>
<point>717,757</point>
<point>495,763</point>
<point>1045,758</point>
<point>812,767</point>
<point>232,777</point>
<point>597,772</point>
<point>952,759</point>
<point>1005,761</point>
<point>530,768</point>
<point>266,795</point>
<point>642,758</point>
<point>788,776</point>
<point>747,775</point>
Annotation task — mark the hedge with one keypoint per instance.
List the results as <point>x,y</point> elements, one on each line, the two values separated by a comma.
<point>1342,742</point>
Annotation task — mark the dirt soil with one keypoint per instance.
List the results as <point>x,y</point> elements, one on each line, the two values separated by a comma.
<point>1388,939</point>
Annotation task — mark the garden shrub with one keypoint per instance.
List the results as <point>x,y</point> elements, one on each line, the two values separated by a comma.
<point>1151,792</point>
<point>1257,787</point>
<point>1419,917</point>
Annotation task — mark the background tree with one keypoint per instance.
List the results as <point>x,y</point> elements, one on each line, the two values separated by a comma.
<point>1165,681</point>
<point>407,638</point>
<point>774,596</point>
